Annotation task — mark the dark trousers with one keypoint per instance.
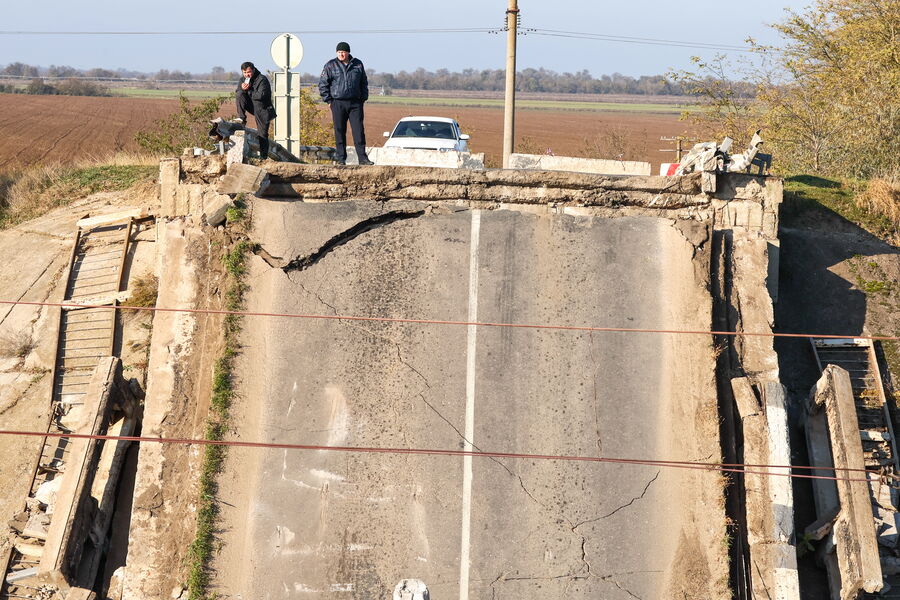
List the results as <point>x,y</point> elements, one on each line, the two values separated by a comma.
<point>341,112</point>
<point>245,106</point>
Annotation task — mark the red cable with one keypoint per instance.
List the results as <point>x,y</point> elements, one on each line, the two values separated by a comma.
<point>722,467</point>
<point>466,323</point>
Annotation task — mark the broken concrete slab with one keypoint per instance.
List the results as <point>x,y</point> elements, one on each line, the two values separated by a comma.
<point>239,152</point>
<point>111,218</point>
<point>216,208</point>
<point>858,565</point>
<point>243,179</point>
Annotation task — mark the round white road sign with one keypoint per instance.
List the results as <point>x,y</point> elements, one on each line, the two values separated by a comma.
<point>287,51</point>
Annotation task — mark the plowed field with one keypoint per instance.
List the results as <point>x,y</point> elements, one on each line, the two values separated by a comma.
<point>64,129</point>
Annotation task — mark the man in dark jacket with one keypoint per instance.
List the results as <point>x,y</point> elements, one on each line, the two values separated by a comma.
<point>254,96</point>
<point>345,87</point>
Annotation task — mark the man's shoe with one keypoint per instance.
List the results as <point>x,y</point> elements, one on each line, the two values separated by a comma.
<point>238,120</point>
<point>340,162</point>
<point>366,161</point>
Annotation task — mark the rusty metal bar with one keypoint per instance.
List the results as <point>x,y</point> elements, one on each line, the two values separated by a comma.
<point>124,253</point>
<point>879,385</point>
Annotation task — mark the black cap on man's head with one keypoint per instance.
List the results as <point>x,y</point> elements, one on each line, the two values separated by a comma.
<point>342,46</point>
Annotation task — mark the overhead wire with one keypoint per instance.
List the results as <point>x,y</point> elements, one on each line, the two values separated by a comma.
<point>737,468</point>
<point>412,31</point>
<point>236,32</point>
<point>536,326</point>
<point>636,40</point>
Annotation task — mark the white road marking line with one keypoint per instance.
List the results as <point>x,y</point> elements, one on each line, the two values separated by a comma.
<point>470,407</point>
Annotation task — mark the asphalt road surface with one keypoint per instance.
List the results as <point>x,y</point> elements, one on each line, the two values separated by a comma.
<point>330,524</point>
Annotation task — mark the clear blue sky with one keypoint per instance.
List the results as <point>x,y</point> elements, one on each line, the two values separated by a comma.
<point>709,23</point>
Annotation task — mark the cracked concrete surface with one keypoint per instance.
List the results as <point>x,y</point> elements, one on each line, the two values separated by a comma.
<point>539,528</point>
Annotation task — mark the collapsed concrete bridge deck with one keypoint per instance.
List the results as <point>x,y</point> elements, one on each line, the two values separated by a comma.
<point>515,247</point>
<point>508,247</point>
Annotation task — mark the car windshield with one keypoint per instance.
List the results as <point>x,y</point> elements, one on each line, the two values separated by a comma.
<point>425,129</point>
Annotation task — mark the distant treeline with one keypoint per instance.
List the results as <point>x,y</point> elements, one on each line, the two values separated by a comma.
<point>484,80</point>
<point>67,87</point>
<point>527,80</point>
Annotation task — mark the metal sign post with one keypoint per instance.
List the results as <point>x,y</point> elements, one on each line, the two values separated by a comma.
<point>287,52</point>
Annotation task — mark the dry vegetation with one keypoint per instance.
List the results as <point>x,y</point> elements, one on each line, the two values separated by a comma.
<point>17,344</point>
<point>144,290</point>
<point>32,192</point>
<point>882,197</point>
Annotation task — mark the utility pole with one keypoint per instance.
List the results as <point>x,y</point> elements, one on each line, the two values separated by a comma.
<point>509,108</point>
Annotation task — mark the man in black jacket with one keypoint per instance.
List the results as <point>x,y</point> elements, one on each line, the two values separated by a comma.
<point>254,96</point>
<point>345,87</point>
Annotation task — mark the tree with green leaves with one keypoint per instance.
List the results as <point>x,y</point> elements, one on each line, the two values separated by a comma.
<point>828,98</point>
<point>187,127</point>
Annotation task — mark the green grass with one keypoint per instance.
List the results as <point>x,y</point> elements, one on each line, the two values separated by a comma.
<point>643,107</point>
<point>103,178</point>
<point>807,193</point>
<point>202,548</point>
<point>165,94</point>
<point>674,109</point>
<point>26,195</point>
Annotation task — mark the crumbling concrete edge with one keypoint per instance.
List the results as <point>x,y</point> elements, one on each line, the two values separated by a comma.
<point>168,348</point>
<point>783,551</point>
<point>770,517</point>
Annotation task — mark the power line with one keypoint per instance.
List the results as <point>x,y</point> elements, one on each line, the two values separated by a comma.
<point>537,326</point>
<point>717,467</point>
<point>416,31</point>
<point>234,32</point>
<point>637,40</point>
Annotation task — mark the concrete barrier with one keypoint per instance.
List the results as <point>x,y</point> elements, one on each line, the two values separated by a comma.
<point>403,157</point>
<point>598,166</point>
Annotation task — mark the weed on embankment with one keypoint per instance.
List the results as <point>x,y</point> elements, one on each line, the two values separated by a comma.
<point>861,203</point>
<point>33,192</point>
<point>201,550</point>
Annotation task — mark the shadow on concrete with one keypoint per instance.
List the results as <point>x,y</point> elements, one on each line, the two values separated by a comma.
<point>813,299</point>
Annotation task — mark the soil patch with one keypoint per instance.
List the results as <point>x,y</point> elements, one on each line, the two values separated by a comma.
<point>66,129</point>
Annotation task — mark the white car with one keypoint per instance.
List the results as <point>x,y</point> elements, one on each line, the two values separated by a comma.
<point>427,133</point>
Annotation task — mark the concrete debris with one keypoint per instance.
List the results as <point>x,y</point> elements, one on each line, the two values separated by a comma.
<point>411,589</point>
<point>851,552</point>
<point>46,493</point>
<point>222,131</point>
<point>215,210</point>
<point>710,157</point>
<point>37,525</point>
<point>111,218</point>
<point>22,575</point>
<point>239,150</point>
<point>243,179</point>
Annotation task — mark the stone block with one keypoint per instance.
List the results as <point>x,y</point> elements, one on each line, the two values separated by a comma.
<point>215,209</point>
<point>237,153</point>
<point>169,176</point>
<point>243,179</point>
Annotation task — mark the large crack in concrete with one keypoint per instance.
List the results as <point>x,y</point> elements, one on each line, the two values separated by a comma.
<point>301,263</point>
<point>623,506</point>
